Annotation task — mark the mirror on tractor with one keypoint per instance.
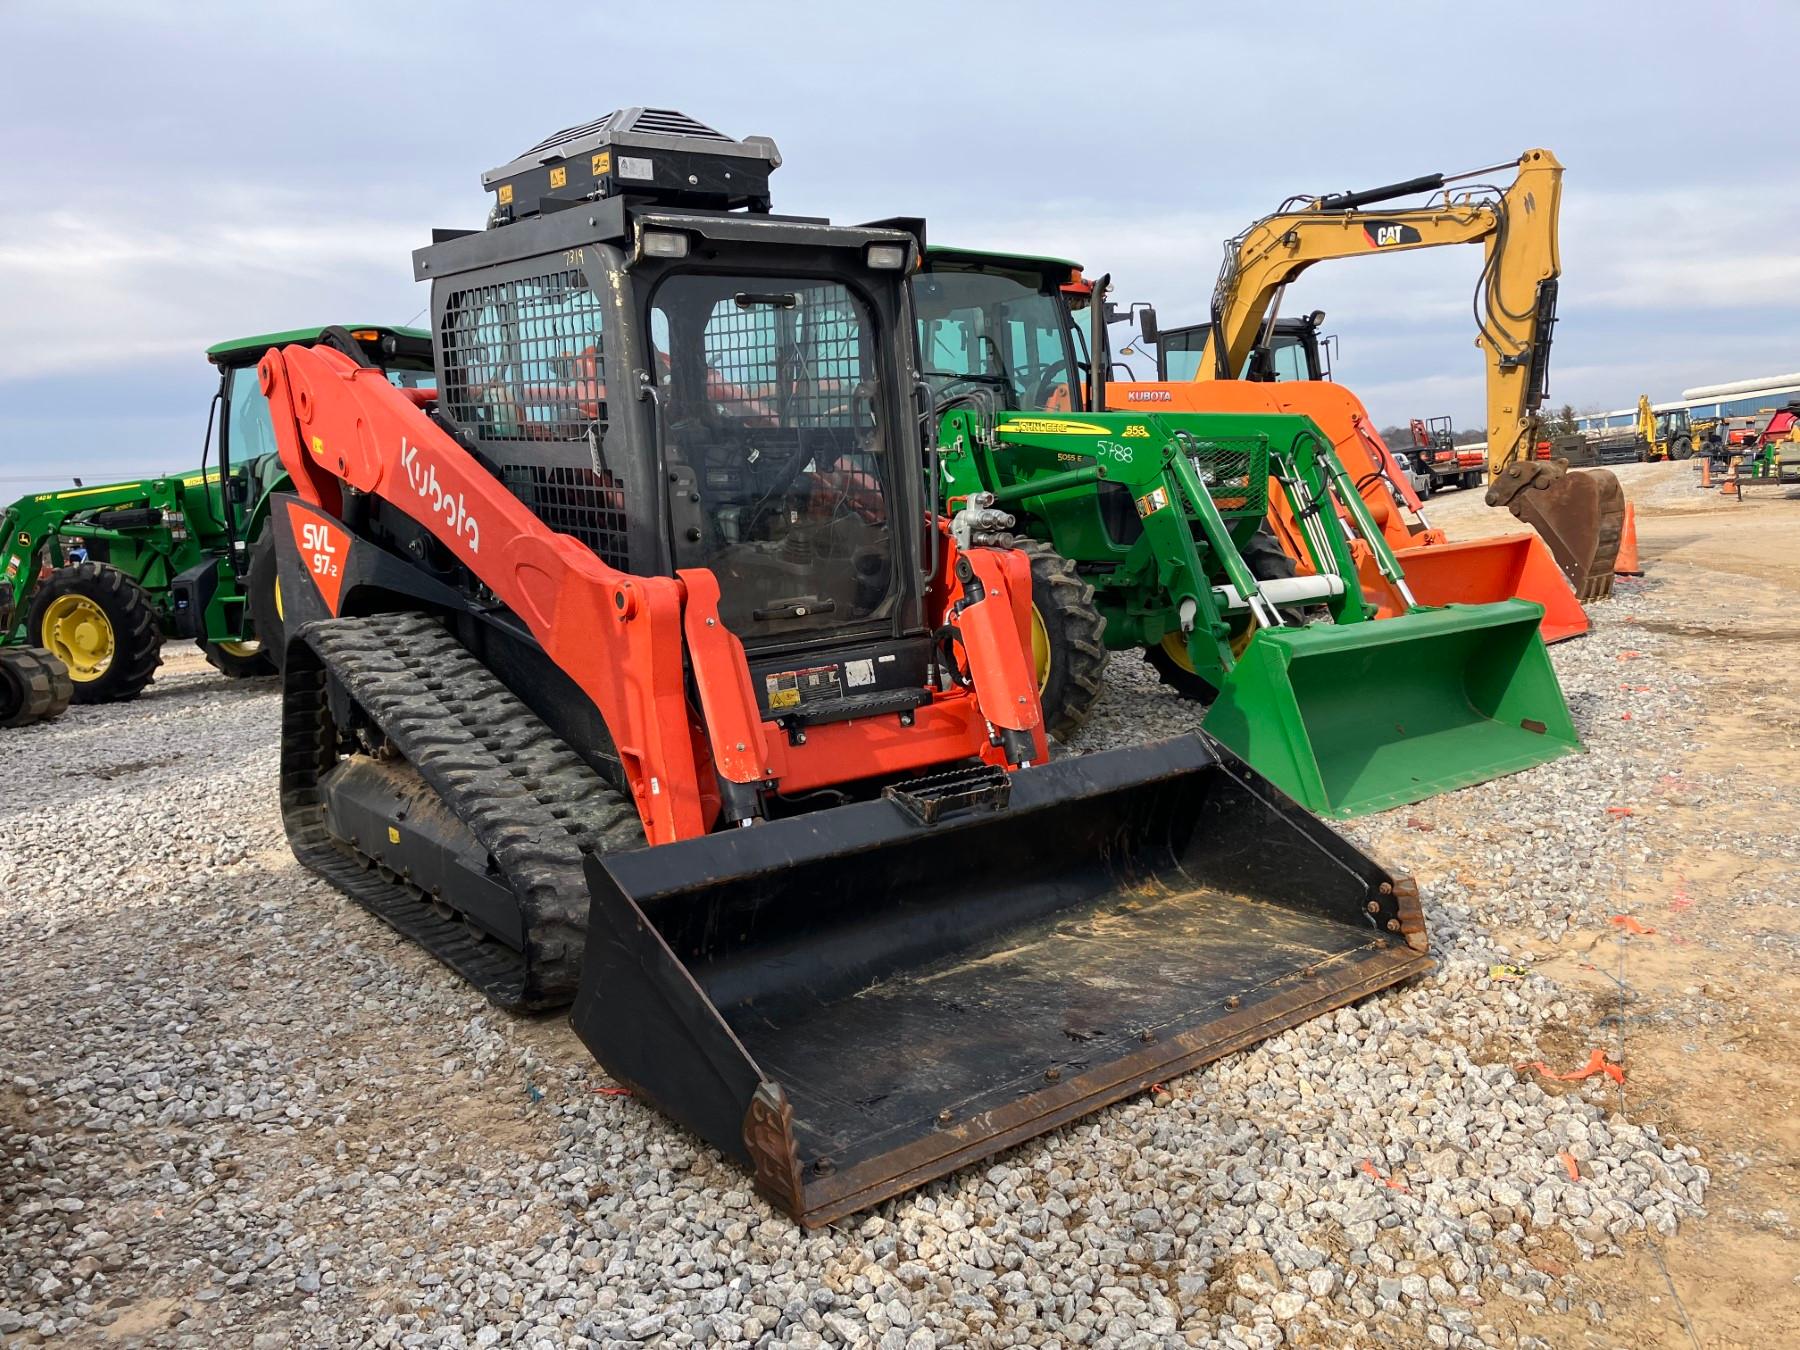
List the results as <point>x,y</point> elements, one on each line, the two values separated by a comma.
<point>1140,315</point>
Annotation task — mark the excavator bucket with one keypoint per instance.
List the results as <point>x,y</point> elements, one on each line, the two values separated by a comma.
<point>1353,718</point>
<point>853,1002</point>
<point>1480,572</point>
<point>1579,514</point>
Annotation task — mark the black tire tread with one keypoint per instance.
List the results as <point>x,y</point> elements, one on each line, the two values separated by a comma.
<point>1267,561</point>
<point>1065,601</point>
<point>264,620</point>
<point>234,666</point>
<point>34,686</point>
<point>137,635</point>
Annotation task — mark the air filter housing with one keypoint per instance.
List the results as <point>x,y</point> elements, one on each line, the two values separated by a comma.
<point>656,154</point>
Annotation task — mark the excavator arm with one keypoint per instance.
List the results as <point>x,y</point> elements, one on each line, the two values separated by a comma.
<point>1579,515</point>
<point>1515,303</point>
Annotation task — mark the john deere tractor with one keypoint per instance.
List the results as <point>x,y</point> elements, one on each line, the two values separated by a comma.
<point>99,577</point>
<point>1147,530</point>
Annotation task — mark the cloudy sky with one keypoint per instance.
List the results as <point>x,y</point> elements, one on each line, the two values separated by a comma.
<point>183,173</point>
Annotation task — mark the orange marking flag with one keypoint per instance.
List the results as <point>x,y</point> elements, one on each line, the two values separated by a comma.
<point>1596,1064</point>
<point>1370,1169</point>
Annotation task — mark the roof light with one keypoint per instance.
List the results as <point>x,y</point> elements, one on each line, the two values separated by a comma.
<point>887,257</point>
<point>664,244</point>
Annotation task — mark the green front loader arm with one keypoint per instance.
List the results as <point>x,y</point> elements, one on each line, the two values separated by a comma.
<point>1347,716</point>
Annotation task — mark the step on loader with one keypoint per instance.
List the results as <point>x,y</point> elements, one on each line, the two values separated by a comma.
<point>1161,516</point>
<point>637,668</point>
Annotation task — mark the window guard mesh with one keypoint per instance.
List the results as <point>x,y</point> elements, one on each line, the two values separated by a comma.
<point>523,360</point>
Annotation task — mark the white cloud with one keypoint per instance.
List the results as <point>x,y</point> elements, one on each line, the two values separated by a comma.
<point>93,288</point>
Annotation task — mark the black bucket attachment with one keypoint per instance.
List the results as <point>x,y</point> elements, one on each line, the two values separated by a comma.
<point>853,1002</point>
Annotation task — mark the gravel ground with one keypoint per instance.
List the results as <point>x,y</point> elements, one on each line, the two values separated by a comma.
<point>235,1107</point>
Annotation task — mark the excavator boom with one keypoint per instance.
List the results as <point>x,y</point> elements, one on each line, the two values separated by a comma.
<point>1515,312</point>
<point>1515,305</point>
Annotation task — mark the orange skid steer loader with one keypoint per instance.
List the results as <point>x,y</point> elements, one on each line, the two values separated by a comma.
<point>634,667</point>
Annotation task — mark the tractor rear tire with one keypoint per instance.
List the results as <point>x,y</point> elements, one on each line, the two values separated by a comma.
<point>238,660</point>
<point>1264,556</point>
<point>265,599</point>
<point>1068,638</point>
<point>34,686</point>
<point>101,625</point>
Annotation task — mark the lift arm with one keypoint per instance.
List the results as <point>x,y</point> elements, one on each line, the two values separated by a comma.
<point>1515,303</point>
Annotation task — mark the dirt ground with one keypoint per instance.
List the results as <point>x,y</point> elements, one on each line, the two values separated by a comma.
<point>1707,1002</point>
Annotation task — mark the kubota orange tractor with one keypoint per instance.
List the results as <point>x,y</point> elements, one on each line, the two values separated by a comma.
<point>634,665</point>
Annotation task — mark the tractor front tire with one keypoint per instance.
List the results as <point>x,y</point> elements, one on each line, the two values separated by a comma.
<point>1068,638</point>
<point>265,599</point>
<point>238,660</point>
<point>34,686</point>
<point>1264,556</point>
<point>101,625</point>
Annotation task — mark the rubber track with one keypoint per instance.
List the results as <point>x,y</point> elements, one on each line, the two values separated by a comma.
<point>525,795</point>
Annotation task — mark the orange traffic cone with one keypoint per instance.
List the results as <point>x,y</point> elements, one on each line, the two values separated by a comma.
<point>1627,564</point>
<point>1706,471</point>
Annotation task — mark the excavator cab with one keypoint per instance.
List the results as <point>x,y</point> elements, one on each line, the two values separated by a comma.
<point>638,669</point>
<point>1293,350</point>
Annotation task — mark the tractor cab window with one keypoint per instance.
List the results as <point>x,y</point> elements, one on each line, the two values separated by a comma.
<point>1006,331</point>
<point>412,375</point>
<point>773,414</point>
<point>250,434</point>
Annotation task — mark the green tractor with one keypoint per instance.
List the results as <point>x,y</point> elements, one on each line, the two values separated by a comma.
<point>1147,530</point>
<point>98,577</point>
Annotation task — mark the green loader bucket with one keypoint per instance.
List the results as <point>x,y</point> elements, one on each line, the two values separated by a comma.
<point>1359,717</point>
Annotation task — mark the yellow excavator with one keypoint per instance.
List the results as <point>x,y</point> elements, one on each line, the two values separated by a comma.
<point>1579,515</point>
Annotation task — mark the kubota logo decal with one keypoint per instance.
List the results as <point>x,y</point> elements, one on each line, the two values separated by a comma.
<point>323,547</point>
<point>1149,396</point>
<point>450,506</point>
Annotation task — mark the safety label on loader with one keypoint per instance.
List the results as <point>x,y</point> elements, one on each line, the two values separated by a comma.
<point>1152,501</point>
<point>795,688</point>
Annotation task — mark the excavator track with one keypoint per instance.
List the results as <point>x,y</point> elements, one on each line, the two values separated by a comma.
<point>455,743</point>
